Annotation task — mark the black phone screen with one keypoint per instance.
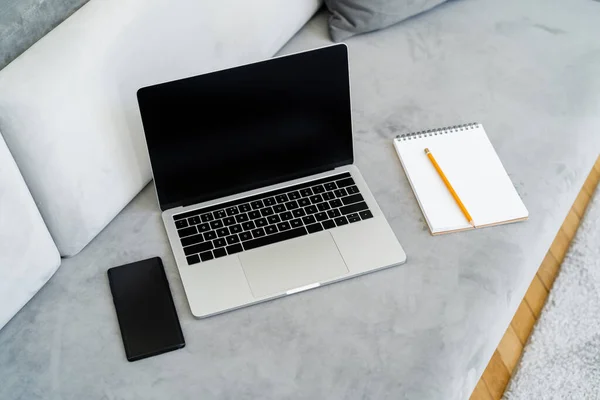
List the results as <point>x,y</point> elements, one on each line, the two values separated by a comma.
<point>145,309</point>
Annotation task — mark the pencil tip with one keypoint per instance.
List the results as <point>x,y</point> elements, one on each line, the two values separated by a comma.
<point>472,224</point>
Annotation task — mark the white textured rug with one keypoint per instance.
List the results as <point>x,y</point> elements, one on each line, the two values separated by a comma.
<point>562,358</point>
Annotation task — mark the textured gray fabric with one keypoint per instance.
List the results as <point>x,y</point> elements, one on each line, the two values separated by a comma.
<point>425,330</point>
<point>351,17</point>
<point>562,358</point>
<point>24,22</point>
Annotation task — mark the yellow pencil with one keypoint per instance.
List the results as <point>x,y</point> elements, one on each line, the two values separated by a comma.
<point>450,188</point>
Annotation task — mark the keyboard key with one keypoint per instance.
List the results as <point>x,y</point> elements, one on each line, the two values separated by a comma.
<point>354,208</point>
<point>323,206</point>
<point>279,208</point>
<point>296,223</point>
<point>294,195</point>
<point>271,229</point>
<point>186,241</point>
<point>278,237</point>
<point>310,219</point>
<point>286,216</point>
<point>306,192</point>
<point>311,209</point>
<point>318,189</point>
<point>273,219</point>
<point>229,221</point>
<point>233,239</point>
<point>216,224</point>
<point>257,204</point>
<point>290,205</point>
<point>232,211</point>
<point>365,214</point>
<point>340,192</point>
<point>269,202</point>
<point>282,198</point>
<point>258,232</point>
<point>321,216</point>
<point>195,220</point>
<point>187,231</point>
<point>352,189</point>
<point>261,222</point>
<point>210,235</point>
<point>220,242</point>
<point>198,248</point>
<point>335,203</point>
<point>245,236</point>
<point>316,199</point>
<point>248,225</point>
<point>303,202</point>
<point>219,253</point>
<point>234,248</point>
<point>267,211</point>
<point>330,186</point>
<point>222,232</point>
<point>333,213</point>
<point>283,226</point>
<point>355,198</point>
<point>298,213</point>
<point>328,224</point>
<point>353,218</point>
<point>206,217</point>
<point>235,228</point>
<point>182,223</point>
<point>206,256</point>
<point>203,227</point>
<point>345,182</point>
<point>328,196</point>
<point>242,218</point>
<point>254,214</point>
<point>244,208</point>
<point>219,214</point>
<point>341,221</point>
<point>314,228</point>
<point>193,259</point>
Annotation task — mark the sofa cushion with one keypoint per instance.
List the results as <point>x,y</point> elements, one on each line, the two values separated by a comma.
<point>351,17</point>
<point>68,107</point>
<point>24,22</point>
<point>28,257</point>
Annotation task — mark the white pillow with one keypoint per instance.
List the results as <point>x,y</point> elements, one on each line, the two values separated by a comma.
<point>68,109</point>
<point>28,257</point>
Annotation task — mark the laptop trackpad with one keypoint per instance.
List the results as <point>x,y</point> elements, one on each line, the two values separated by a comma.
<point>292,264</point>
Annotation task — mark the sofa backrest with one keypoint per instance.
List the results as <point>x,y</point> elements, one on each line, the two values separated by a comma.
<point>68,108</point>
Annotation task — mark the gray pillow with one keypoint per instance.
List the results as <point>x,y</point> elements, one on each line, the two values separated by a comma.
<point>351,17</point>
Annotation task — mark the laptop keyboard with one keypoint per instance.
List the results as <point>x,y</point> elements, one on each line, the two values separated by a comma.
<point>272,217</point>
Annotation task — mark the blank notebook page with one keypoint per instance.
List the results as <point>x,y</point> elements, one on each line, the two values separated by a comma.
<point>473,168</point>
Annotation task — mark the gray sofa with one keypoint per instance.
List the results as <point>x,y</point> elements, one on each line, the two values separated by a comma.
<point>425,330</point>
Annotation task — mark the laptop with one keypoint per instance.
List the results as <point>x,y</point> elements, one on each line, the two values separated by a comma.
<point>254,174</point>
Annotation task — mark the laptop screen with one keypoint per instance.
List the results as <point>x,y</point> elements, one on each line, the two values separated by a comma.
<point>242,128</point>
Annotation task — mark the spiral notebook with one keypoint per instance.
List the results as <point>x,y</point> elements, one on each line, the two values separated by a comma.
<point>469,161</point>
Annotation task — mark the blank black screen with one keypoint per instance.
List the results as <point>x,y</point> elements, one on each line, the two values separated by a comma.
<point>249,126</point>
<point>145,309</point>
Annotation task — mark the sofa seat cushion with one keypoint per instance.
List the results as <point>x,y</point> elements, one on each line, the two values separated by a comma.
<point>68,108</point>
<point>28,256</point>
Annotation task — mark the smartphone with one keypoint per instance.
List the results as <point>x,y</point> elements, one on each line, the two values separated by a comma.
<point>145,309</point>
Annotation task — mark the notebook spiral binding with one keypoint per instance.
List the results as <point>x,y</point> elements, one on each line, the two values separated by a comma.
<point>436,132</point>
